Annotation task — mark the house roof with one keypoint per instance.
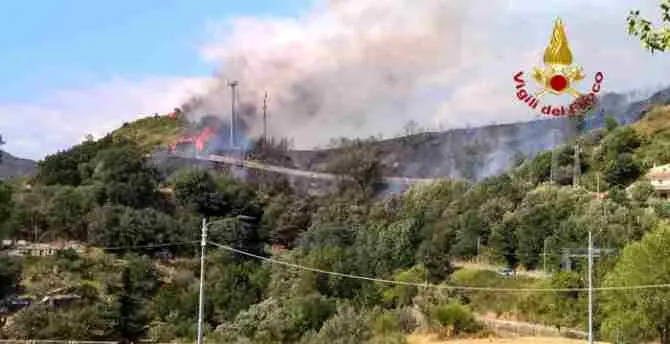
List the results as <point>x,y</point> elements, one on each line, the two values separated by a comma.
<point>659,172</point>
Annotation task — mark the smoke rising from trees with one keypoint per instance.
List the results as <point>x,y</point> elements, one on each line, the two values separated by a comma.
<point>341,68</point>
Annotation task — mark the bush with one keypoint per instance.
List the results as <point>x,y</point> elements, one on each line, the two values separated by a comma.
<point>407,320</point>
<point>662,208</point>
<point>455,318</point>
<point>387,323</point>
<point>346,327</point>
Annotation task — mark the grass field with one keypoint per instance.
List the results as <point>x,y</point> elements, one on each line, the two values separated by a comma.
<point>424,339</point>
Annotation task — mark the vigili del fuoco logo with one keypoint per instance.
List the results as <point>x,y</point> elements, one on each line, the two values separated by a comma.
<point>559,76</point>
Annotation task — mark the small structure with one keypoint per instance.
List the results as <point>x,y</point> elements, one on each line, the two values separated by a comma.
<point>59,300</point>
<point>24,248</point>
<point>659,177</point>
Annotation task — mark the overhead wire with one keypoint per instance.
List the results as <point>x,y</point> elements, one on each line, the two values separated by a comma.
<point>119,248</point>
<point>433,286</point>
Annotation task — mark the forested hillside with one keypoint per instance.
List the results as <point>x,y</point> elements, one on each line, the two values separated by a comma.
<point>142,280</point>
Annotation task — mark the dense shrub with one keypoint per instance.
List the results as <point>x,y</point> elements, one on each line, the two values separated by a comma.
<point>455,319</point>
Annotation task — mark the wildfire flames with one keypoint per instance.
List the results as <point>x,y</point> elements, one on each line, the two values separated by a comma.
<point>199,141</point>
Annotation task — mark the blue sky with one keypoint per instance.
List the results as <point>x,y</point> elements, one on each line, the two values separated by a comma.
<point>70,43</point>
<point>69,68</point>
<point>63,63</point>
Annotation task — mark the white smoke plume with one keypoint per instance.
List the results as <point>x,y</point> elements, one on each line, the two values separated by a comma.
<point>363,67</point>
<point>343,67</point>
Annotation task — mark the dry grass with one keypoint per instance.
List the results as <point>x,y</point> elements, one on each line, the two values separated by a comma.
<point>431,339</point>
<point>151,132</point>
<point>657,120</point>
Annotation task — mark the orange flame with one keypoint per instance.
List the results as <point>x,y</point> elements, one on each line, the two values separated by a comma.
<point>202,139</point>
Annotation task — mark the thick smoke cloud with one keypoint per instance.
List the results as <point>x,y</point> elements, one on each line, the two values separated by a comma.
<point>343,67</point>
<point>364,67</point>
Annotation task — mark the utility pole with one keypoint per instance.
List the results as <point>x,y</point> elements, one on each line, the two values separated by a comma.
<point>233,119</point>
<point>552,169</point>
<point>201,300</point>
<point>265,117</point>
<point>577,168</point>
<point>544,254</point>
<point>590,289</point>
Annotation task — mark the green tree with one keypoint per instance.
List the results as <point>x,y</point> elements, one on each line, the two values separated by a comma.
<point>641,192</point>
<point>6,205</point>
<point>403,295</point>
<point>195,188</point>
<point>67,210</point>
<point>622,170</point>
<point>383,249</point>
<point>455,317</point>
<point>85,322</point>
<point>242,233</point>
<point>286,216</point>
<point>640,314</point>
<point>118,226</point>
<point>132,320</point>
<point>435,252</point>
<point>347,327</point>
<point>127,178</point>
<point>69,167</point>
<point>567,308</point>
<point>505,242</point>
<point>540,215</point>
<point>359,160</point>
<point>234,286</point>
<point>10,271</point>
<point>652,38</point>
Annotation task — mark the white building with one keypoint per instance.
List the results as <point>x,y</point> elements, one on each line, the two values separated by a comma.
<point>659,177</point>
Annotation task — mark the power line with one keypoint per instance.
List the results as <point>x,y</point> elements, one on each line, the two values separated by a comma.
<point>118,248</point>
<point>434,286</point>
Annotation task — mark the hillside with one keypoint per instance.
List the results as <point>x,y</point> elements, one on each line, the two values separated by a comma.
<point>476,153</point>
<point>468,153</point>
<point>104,194</point>
<point>11,166</point>
<point>152,132</point>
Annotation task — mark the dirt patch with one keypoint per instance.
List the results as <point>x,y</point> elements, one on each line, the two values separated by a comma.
<point>431,339</point>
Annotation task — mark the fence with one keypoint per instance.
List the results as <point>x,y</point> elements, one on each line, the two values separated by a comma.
<point>504,327</point>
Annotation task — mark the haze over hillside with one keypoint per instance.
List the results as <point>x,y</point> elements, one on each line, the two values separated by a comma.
<point>11,166</point>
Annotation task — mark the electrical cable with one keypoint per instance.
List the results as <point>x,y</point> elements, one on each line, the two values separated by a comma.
<point>118,248</point>
<point>434,286</point>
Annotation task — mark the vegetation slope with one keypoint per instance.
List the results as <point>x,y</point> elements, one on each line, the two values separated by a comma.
<point>142,281</point>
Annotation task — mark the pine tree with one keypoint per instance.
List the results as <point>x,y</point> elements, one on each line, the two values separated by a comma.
<point>131,318</point>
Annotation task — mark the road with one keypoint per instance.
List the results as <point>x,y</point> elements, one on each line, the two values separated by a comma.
<point>300,173</point>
